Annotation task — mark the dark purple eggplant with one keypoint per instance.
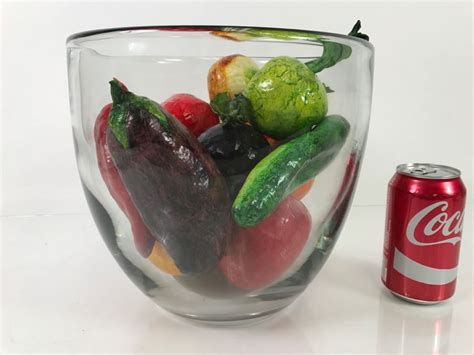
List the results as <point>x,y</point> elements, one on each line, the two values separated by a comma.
<point>236,149</point>
<point>174,183</point>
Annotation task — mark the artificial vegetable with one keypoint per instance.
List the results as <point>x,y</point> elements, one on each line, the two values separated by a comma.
<point>230,75</point>
<point>194,113</point>
<point>287,167</point>
<point>259,255</point>
<point>143,239</point>
<point>232,110</point>
<point>329,230</point>
<point>286,97</point>
<point>301,191</point>
<point>175,185</point>
<point>236,149</point>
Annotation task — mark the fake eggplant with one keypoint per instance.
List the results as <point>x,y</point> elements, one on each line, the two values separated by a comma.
<point>236,149</point>
<point>175,185</point>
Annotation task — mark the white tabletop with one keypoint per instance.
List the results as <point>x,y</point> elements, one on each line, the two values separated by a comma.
<point>62,292</point>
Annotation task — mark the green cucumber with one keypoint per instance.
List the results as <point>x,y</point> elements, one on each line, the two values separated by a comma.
<point>286,168</point>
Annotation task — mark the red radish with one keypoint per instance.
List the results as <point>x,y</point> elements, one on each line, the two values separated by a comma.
<point>259,255</point>
<point>194,113</point>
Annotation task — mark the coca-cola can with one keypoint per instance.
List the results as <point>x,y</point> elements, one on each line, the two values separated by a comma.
<point>425,210</point>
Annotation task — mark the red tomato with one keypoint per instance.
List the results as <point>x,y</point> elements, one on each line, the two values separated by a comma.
<point>194,113</point>
<point>259,255</point>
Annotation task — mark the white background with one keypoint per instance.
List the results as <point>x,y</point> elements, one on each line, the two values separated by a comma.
<point>62,292</point>
<point>421,110</point>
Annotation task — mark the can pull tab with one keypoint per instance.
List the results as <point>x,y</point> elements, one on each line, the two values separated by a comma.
<point>428,171</point>
<point>423,171</point>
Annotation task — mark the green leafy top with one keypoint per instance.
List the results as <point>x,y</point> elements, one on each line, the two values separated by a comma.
<point>333,52</point>
<point>232,111</point>
<point>122,100</point>
<point>355,31</point>
<point>248,33</point>
<point>328,89</point>
<point>117,122</point>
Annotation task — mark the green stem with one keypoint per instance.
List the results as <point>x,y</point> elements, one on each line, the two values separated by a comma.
<point>355,31</point>
<point>333,53</point>
<point>122,100</point>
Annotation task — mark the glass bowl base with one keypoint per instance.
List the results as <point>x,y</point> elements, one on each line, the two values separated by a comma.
<point>229,320</point>
<point>244,314</point>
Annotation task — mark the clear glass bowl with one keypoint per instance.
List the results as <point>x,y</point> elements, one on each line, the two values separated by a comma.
<point>200,241</point>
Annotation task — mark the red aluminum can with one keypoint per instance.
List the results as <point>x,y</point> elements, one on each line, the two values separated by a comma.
<point>425,210</point>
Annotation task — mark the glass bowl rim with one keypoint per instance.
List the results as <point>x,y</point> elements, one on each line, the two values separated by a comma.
<point>201,28</point>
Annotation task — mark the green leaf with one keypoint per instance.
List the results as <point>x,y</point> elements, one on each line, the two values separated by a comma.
<point>355,31</point>
<point>333,53</point>
<point>328,89</point>
<point>220,104</point>
<point>151,106</point>
<point>122,100</point>
<point>117,122</point>
<point>248,33</point>
<point>118,93</point>
<point>232,111</point>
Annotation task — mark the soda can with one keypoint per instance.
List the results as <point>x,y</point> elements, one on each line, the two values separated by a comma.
<point>425,210</point>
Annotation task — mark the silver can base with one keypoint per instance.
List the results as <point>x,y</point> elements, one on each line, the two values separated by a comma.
<point>413,300</point>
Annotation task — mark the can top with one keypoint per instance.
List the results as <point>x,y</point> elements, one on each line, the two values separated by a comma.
<point>428,171</point>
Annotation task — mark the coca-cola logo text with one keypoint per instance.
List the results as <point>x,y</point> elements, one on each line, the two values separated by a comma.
<point>449,226</point>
